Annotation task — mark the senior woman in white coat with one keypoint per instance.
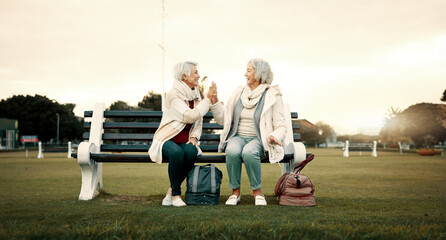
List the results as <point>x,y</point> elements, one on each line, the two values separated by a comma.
<point>180,129</point>
<point>254,123</point>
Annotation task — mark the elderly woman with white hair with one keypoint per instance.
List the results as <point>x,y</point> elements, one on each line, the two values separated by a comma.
<point>177,137</point>
<point>253,124</point>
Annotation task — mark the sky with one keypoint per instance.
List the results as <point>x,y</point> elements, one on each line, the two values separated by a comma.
<point>345,62</point>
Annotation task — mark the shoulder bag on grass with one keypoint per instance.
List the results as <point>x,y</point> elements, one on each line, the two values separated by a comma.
<point>203,185</point>
<point>295,188</point>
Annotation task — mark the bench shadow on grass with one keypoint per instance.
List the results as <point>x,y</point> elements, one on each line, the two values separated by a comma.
<point>106,197</point>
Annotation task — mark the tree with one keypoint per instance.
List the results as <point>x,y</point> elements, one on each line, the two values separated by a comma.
<point>120,106</point>
<point>325,131</point>
<point>151,101</point>
<point>202,86</point>
<point>393,129</point>
<point>442,109</point>
<point>37,116</point>
<point>415,123</point>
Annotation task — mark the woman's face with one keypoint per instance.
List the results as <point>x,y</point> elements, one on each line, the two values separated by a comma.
<point>250,72</point>
<point>192,79</point>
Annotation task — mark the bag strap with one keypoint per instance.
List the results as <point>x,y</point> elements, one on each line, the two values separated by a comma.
<point>213,182</point>
<point>195,180</point>
<point>300,166</point>
<point>279,189</point>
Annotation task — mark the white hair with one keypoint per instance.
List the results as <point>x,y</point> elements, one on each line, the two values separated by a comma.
<point>263,71</point>
<point>183,68</point>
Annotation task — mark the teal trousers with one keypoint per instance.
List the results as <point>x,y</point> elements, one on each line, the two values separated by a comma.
<point>248,150</point>
<point>181,158</point>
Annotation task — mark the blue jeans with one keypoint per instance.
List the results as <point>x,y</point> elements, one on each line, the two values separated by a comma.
<point>249,150</point>
<point>181,158</point>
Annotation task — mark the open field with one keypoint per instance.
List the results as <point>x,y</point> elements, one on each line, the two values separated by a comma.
<point>389,197</point>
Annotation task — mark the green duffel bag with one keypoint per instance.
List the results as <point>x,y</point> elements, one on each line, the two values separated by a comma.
<point>203,185</point>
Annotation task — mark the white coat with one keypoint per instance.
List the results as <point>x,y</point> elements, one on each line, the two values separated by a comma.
<point>272,118</point>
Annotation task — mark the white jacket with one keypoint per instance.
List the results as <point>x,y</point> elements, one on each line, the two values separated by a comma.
<point>175,117</point>
<point>272,118</point>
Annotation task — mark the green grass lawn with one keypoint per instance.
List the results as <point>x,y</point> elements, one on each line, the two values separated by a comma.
<point>389,197</point>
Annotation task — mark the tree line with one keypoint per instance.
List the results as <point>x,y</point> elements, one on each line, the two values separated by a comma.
<point>422,124</point>
<point>37,115</point>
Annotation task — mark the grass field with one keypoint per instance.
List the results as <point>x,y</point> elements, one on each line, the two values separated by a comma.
<point>389,197</point>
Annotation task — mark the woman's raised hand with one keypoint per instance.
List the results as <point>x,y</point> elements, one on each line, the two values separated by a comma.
<point>212,93</point>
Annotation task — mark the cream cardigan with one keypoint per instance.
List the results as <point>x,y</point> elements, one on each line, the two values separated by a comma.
<point>176,115</point>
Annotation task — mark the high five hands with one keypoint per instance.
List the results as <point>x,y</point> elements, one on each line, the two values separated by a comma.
<point>212,93</point>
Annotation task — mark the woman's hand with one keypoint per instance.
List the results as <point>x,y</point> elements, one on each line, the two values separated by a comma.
<point>272,140</point>
<point>193,141</point>
<point>212,93</point>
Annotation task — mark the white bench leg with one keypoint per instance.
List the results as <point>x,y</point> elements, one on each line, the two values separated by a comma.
<point>91,172</point>
<point>40,154</point>
<point>346,149</point>
<point>69,150</point>
<point>374,153</point>
<point>300,154</point>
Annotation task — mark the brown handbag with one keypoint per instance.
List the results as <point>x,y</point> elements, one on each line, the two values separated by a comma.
<point>295,188</point>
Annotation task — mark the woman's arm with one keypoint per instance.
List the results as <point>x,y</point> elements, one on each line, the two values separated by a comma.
<point>279,124</point>
<point>218,111</point>
<point>188,115</point>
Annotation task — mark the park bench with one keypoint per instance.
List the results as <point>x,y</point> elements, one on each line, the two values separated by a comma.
<point>118,137</point>
<point>55,148</point>
<point>360,147</point>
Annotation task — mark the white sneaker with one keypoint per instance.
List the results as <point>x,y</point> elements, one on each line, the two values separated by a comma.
<point>233,200</point>
<point>260,200</point>
<point>178,202</point>
<point>167,201</point>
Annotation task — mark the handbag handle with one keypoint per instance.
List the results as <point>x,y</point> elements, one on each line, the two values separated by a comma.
<point>278,190</point>
<point>300,166</point>
<point>195,181</point>
<point>213,181</point>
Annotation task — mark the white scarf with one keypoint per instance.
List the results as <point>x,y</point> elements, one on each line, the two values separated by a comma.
<point>250,98</point>
<point>186,92</point>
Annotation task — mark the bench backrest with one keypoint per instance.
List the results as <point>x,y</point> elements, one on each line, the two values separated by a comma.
<point>361,145</point>
<point>132,131</point>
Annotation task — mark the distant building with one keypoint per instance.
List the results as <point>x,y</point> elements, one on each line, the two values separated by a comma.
<point>308,131</point>
<point>304,123</point>
<point>9,133</point>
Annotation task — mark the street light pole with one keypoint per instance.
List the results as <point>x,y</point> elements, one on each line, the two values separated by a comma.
<point>162,45</point>
<point>58,116</point>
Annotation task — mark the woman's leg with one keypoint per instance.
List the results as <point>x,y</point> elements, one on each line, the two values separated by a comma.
<point>251,155</point>
<point>234,162</point>
<point>190,157</point>
<point>175,155</point>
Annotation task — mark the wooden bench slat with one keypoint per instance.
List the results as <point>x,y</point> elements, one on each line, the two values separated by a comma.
<point>155,125</point>
<point>124,148</point>
<point>128,114</point>
<point>129,125</point>
<point>127,136</point>
<point>146,114</point>
<point>149,136</point>
<point>145,148</point>
<point>145,125</point>
<point>128,158</point>
<point>140,114</point>
<point>360,147</point>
